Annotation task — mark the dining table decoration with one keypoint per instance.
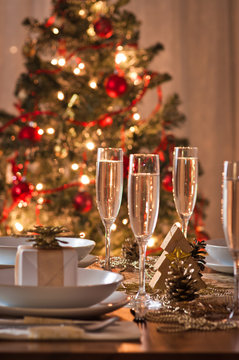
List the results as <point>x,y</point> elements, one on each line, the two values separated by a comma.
<point>46,262</point>
<point>175,247</point>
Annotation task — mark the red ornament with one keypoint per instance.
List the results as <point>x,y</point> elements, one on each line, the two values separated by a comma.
<point>107,121</point>
<point>126,166</point>
<point>30,133</point>
<point>21,191</point>
<point>115,86</point>
<point>103,28</point>
<point>167,182</point>
<point>83,202</point>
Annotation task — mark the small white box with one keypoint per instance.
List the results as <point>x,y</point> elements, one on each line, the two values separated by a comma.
<point>46,267</point>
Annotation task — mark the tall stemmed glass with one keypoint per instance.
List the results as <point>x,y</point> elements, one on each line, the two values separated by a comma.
<point>185,182</point>
<point>109,187</point>
<point>143,205</point>
<point>230,217</point>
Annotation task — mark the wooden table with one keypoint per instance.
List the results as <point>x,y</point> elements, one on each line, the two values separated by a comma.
<point>153,345</point>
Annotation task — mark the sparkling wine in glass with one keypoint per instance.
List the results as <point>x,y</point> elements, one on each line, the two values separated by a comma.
<point>185,182</point>
<point>109,187</point>
<point>230,220</point>
<point>143,205</point>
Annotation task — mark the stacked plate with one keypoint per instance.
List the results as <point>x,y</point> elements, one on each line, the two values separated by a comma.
<point>95,293</point>
<point>219,257</point>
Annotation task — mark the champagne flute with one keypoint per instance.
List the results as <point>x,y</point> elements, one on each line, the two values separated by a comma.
<point>230,219</point>
<point>109,188</point>
<point>143,205</point>
<point>185,182</point>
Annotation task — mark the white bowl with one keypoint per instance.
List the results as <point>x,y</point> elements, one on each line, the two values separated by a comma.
<point>218,250</point>
<point>92,287</point>
<point>8,248</point>
<point>9,244</point>
<point>82,246</point>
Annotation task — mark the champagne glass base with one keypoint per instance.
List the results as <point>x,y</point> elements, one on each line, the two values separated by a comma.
<point>141,303</point>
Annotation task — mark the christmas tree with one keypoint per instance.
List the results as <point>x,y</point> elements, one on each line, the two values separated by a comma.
<point>85,78</point>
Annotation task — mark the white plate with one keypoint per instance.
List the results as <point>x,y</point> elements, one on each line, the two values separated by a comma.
<point>217,249</point>
<point>93,286</point>
<point>212,264</point>
<point>111,303</point>
<point>9,244</point>
<point>88,260</point>
<point>82,246</point>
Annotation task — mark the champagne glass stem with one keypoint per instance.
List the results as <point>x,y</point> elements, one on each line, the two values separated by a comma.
<point>185,226</point>
<point>107,246</point>
<point>142,255</point>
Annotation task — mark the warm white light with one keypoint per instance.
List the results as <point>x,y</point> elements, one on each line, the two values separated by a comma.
<point>39,186</point>
<point>50,131</point>
<point>60,95</point>
<point>54,61</point>
<point>18,226</point>
<point>90,31</point>
<point>99,132</point>
<point>93,84</point>
<point>136,116</point>
<point>85,179</point>
<point>40,200</point>
<point>120,57</point>
<point>125,221</point>
<point>81,12</point>
<point>75,167</point>
<point>132,129</point>
<point>82,235</point>
<point>152,241</point>
<point>76,71</point>
<point>20,205</point>
<point>81,66</point>
<point>61,61</point>
<point>133,75</point>
<point>90,145</point>
<point>119,48</point>
<point>55,31</point>
<point>40,131</point>
<point>113,227</point>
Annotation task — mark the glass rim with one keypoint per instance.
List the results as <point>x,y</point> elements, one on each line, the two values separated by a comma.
<point>186,147</point>
<point>145,155</point>
<point>109,148</point>
<point>231,162</point>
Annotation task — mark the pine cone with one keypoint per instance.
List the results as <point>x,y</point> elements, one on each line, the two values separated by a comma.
<point>46,236</point>
<point>199,253</point>
<point>130,250</point>
<point>180,285</point>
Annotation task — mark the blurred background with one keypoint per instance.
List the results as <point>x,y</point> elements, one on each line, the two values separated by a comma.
<point>201,54</point>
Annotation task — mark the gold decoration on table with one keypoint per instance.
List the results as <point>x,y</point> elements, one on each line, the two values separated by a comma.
<point>45,236</point>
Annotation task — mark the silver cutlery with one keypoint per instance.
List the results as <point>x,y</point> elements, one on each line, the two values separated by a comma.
<point>88,326</point>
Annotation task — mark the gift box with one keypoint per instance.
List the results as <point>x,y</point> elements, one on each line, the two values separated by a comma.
<point>46,267</point>
<point>174,242</point>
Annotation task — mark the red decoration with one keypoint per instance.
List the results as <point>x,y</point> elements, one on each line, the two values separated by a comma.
<point>126,166</point>
<point>103,28</point>
<point>201,234</point>
<point>167,182</point>
<point>106,121</point>
<point>83,202</point>
<point>21,191</point>
<point>30,133</point>
<point>115,86</point>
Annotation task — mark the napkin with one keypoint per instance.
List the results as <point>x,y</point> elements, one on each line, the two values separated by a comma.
<point>118,331</point>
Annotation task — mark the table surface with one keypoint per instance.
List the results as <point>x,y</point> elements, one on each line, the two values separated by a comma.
<point>213,345</point>
<point>153,345</point>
